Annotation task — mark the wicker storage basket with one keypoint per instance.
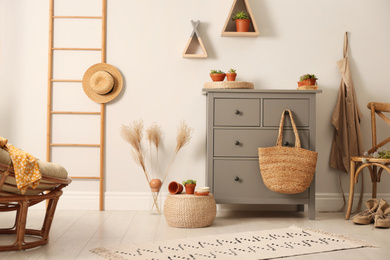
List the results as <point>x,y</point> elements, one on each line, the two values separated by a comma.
<point>287,170</point>
<point>189,211</point>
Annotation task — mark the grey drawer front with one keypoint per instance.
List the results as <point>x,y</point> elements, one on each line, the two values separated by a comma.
<point>273,108</point>
<point>250,140</point>
<point>250,184</point>
<point>237,112</point>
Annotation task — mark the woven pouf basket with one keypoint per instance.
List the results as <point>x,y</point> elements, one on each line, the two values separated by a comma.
<point>189,211</point>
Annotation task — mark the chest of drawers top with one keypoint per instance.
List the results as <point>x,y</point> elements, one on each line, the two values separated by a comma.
<point>259,108</point>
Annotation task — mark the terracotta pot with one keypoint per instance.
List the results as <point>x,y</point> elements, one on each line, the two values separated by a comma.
<point>155,185</point>
<point>202,193</point>
<point>307,82</point>
<point>217,77</point>
<point>190,188</point>
<point>242,25</point>
<point>231,76</point>
<point>175,187</point>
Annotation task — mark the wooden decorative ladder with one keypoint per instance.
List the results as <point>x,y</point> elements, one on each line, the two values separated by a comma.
<point>51,113</point>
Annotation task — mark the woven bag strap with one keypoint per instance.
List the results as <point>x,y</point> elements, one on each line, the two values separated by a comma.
<point>280,137</point>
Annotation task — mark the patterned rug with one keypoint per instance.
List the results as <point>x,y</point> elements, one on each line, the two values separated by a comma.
<point>263,244</point>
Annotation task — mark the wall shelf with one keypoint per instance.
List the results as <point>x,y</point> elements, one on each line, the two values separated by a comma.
<point>195,48</point>
<point>229,29</point>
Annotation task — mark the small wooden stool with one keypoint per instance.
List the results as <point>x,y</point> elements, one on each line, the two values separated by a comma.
<point>189,211</point>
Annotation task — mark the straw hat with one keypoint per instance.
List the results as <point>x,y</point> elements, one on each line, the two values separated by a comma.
<point>102,82</point>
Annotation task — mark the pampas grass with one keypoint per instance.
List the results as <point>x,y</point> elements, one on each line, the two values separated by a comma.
<point>133,134</point>
<point>183,138</point>
<point>153,135</point>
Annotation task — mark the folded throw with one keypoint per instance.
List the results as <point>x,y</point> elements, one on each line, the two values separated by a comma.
<point>25,166</point>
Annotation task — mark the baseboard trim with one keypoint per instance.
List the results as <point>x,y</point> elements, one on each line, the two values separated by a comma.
<point>334,201</point>
<point>143,201</point>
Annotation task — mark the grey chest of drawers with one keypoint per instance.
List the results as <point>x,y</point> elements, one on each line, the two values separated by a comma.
<point>241,120</point>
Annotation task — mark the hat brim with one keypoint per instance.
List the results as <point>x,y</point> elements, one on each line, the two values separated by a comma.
<point>118,83</point>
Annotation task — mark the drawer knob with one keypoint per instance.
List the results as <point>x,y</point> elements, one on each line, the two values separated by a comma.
<point>237,143</point>
<point>286,143</point>
<point>236,178</point>
<point>237,112</point>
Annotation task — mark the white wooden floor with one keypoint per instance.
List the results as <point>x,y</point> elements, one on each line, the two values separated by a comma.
<point>74,233</point>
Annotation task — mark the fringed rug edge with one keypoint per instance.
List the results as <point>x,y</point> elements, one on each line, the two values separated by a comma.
<point>363,243</point>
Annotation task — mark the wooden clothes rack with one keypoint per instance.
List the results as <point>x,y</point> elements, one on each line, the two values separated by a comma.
<point>51,113</point>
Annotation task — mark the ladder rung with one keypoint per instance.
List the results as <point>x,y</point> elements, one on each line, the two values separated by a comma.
<point>77,49</point>
<point>76,113</point>
<point>86,145</point>
<point>66,80</point>
<point>81,177</point>
<point>77,17</point>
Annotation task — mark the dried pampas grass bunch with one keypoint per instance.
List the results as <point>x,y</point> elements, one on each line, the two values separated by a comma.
<point>183,138</point>
<point>183,135</point>
<point>133,134</point>
<point>153,135</point>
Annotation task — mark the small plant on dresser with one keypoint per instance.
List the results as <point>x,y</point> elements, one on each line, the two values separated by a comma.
<point>217,75</point>
<point>231,75</point>
<point>307,80</point>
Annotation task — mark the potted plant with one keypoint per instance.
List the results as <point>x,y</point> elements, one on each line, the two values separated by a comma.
<point>217,75</point>
<point>231,75</point>
<point>242,21</point>
<point>190,186</point>
<point>307,80</point>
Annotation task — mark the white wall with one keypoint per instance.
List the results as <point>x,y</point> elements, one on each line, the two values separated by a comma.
<point>145,40</point>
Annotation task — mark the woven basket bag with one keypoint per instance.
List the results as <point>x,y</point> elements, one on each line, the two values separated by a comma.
<point>287,170</point>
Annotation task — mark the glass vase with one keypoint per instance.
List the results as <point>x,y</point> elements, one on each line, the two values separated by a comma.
<point>155,201</point>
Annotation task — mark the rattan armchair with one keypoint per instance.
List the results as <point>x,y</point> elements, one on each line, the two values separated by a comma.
<point>374,165</point>
<point>54,179</point>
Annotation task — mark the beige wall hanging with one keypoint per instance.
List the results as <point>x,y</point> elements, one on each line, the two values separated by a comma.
<point>101,113</point>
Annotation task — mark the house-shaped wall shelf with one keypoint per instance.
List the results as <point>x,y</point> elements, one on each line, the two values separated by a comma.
<point>195,47</point>
<point>229,28</point>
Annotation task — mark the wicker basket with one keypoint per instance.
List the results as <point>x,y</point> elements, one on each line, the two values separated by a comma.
<point>189,211</point>
<point>287,170</point>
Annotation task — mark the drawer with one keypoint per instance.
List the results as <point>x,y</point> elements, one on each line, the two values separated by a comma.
<point>273,108</point>
<point>250,185</point>
<point>245,143</point>
<point>237,112</point>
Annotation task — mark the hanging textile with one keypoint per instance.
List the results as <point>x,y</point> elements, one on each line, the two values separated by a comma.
<point>347,140</point>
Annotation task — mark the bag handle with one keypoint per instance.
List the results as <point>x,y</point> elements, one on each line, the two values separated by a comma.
<point>280,137</point>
